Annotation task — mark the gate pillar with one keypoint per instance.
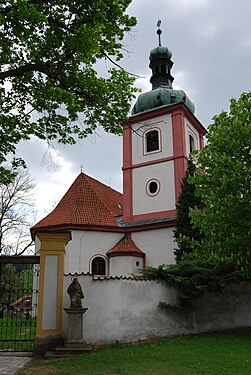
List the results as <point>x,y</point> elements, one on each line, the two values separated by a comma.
<point>50,293</point>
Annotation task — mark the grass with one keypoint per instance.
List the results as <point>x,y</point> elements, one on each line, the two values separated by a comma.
<point>213,354</point>
<point>17,332</point>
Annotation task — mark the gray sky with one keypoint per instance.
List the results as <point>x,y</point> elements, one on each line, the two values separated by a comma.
<point>211,45</point>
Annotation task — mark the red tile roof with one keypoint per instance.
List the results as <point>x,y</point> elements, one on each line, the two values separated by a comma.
<point>126,246</point>
<point>88,202</point>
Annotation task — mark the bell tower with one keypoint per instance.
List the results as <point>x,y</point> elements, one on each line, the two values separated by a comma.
<point>159,136</point>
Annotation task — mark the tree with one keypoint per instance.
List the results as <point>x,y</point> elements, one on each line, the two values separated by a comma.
<point>193,277</point>
<point>49,85</point>
<point>16,214</point>
<point>184,233</point>
<point>223,182</point>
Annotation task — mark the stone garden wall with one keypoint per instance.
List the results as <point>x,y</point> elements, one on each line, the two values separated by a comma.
<point>126,310</point>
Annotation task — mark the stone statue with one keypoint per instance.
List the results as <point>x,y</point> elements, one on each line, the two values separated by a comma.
<point>76,293</point>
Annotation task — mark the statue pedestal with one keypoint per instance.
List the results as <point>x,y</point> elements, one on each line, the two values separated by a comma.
<point>75,324</point>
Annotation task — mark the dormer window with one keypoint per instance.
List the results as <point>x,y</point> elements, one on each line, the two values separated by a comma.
<point>152,141</point>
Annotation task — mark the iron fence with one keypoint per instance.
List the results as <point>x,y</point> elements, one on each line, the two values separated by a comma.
<point>19,277</point>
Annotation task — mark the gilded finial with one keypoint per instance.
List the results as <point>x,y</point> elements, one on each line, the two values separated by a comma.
<point>159,32</point>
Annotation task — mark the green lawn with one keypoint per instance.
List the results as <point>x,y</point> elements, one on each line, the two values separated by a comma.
<point>215,354</point>
<point>17,332</point>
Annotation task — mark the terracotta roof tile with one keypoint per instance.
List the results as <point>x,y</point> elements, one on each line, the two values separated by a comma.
<point>125,246</point>
<point>88,202</point>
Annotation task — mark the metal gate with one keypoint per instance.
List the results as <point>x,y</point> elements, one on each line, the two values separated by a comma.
<point>19,276</point>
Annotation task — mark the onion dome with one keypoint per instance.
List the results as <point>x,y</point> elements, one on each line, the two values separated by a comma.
<point>162,93</point>
<point>160,51</point>
<point>161,97</point>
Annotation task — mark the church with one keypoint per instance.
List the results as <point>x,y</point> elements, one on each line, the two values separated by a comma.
<point>103,239</point>
<point>113,234</point>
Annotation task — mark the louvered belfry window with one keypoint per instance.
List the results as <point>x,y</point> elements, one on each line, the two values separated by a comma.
<point>152,141</point>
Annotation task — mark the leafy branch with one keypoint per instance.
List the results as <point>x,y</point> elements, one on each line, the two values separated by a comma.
<point>193,277</point>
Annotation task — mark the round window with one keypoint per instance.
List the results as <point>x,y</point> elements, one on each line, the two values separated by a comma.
<point>152,187</point>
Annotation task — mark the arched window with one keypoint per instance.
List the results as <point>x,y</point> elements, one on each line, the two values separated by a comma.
<point>191,144</point>
<point>157,70</point>
<point>152,141</point>
<point>98,266</point>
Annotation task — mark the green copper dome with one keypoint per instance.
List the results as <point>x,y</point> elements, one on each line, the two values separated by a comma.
<point>161,97</point>
<point>162,52</point>
<point>162,93</point>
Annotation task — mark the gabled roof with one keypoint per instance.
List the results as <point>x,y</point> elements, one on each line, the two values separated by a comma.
<point>87,203</point>
<point>126,246</point>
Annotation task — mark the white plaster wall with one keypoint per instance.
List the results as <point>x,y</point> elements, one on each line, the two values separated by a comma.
<point>127,310</point>
<point>164,123</point>
<point>120,310</point>
<point>165,199</point>
<point>190,129</point>
<point>125,265</point>
<point>157,244</point>
<point>84,245</point>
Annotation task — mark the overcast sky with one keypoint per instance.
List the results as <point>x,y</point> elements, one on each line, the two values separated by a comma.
<point>211,45</point>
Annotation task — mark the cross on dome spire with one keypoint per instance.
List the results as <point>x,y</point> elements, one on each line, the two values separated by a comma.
<point>161,64</point>
<point>159,31</point>
<point>162,92</point>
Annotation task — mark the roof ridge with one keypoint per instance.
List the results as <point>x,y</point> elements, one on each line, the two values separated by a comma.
<point>86,202</point>
<point>97,193</point>
<point>88,181</point>
<point>101,198</point>
<point>101,183</point>
<point>130,246</point>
